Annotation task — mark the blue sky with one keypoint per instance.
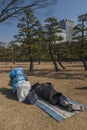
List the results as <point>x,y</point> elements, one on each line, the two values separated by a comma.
<point>69,9</point>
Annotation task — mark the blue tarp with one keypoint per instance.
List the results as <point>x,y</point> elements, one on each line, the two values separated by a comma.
<point>58,112</point>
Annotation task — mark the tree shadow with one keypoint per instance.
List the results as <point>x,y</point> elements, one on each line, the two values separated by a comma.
<point>73,65</point>
<point>82,88</point>
<point>8,93</point>
<point>5,71</point>
<point>62,74</point>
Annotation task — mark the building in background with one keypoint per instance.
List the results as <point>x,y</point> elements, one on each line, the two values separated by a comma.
<point>63,35</point>
<point>60,33</point>
<point>68,26</point>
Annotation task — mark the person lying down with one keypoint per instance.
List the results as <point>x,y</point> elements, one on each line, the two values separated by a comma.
<point>29,94</point>
<point>47,92</point>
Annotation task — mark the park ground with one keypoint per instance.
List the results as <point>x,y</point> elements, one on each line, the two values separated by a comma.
<point>72,82</point>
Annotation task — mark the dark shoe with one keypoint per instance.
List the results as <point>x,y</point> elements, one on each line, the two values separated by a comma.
<point>69,107</point>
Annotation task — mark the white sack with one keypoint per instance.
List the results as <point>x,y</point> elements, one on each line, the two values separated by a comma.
<point>23,90</point>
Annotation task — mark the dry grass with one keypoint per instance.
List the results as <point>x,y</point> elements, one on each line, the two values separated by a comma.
<point>71,82</point>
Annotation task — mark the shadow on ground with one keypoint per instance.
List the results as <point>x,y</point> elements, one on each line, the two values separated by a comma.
<point>8,93</point>
<point>62,74</point>
<point>82,88</point>
<point>58,75</point>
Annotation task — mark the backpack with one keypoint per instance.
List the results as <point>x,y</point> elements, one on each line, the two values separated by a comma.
<point>19,74</point>
<point>16,75</point>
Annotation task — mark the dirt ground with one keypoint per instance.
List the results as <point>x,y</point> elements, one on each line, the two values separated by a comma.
<point>71,82</point>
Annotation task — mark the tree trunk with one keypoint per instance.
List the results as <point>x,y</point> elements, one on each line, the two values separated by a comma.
<point>14,55</point>
<point>84,63</point>
<point>82,47</point>
<point>6,59</point>
<point>52,58</point>
<point>31,59</point>
<point>31,64</point>
<point>60,62</point>
<point>39,60</point>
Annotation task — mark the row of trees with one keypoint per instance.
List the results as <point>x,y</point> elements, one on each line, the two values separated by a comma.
<point>61,52</point>
<point>34,36</point>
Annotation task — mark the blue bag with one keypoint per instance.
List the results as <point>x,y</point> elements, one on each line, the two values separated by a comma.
<point>17,75</point>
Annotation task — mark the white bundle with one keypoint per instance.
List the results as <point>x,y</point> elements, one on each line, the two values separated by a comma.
<point>23,90</point>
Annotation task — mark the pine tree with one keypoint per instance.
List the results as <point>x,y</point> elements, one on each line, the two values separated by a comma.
<point>52,28</point>
<point>28,32</point>
<point>80,35</point>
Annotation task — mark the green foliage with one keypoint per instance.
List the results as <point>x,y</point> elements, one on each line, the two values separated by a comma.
<point>28,28</point>
<point>52,28</point>
<point>29,33</point>
<point>80,34</point>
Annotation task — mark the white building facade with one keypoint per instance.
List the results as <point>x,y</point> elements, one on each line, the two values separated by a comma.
<point>68,26</point>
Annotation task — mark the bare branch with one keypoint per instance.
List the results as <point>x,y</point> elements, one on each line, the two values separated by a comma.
<point>10,8</point>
